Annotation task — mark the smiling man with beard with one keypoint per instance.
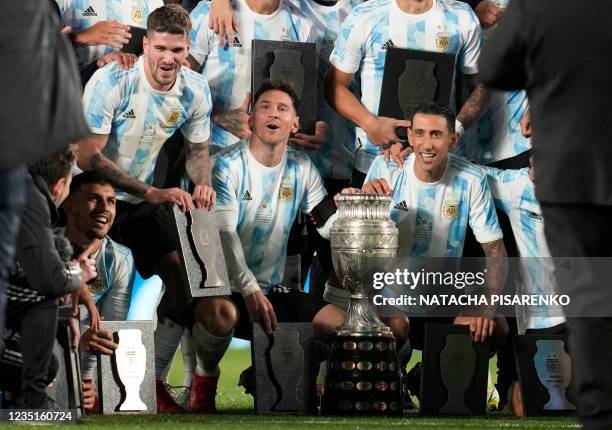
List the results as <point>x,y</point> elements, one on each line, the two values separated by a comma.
<point>90,213</point>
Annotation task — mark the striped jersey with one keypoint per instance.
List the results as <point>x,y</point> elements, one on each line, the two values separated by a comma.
<point>432,217</point>
<point>514,195</point>
<point>262,203</point>
<point>139,119</point>
<point>449,26</point>
<point>82,14</point>
<point>228,69</point>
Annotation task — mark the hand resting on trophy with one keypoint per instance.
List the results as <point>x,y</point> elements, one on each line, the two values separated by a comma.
<point>261,310</point>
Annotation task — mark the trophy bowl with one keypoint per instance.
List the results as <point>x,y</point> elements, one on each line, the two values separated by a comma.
<point>363,240</point>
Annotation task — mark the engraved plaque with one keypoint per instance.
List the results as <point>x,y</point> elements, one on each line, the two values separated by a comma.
<point>202,253</point>
<point>284,372</point>
<point>455,371</point>
<point>126,379</point>
<point>295,62</point>
<point>545,372</point>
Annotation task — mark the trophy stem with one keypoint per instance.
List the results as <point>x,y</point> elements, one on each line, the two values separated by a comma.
<point>361,316</point>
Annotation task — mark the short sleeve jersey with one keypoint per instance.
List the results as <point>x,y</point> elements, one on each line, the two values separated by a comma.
<point>432,217</point>
<point>262,202</point>
<point>513,193</point>
<point>228,69</point>
<point>139,119</point>
<point>82,14</point>
<point>372,27</point>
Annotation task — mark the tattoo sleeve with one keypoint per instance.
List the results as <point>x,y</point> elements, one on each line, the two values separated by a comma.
<point>229,119</point>
<point>117,177</point>
<point>197,162</point>
<point>476,103</point>
<point>497,266</point>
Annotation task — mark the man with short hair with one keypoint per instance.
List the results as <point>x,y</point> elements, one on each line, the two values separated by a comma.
<point>132,113</point>
<point>426,25</point>
<point>261,183</point>
<point>434,197</point>
<point>43,272</point>
<point>90,212</point>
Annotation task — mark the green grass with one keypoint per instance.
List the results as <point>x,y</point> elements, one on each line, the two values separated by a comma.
<point>236,412</point>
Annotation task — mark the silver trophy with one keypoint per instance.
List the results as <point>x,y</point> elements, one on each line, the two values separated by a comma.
<point>363,238</point>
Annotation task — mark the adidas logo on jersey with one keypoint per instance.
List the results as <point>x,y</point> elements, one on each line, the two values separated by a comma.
<point>402,206</point>
<point>236,43</point>
<point>129,114</point>
<point>90,12</point>
<point>388,44</point>
<point>247,196</point>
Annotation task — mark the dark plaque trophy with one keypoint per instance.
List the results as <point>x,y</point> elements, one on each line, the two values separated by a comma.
<point>455,372</point>
<point>545,373</point>
<point>201,251</point>
<point>411,78</point>
<point>126,379</point>
<point>363,375</point>
<point>66,388</point>
<point>295,62</point>
<point>284,374</point>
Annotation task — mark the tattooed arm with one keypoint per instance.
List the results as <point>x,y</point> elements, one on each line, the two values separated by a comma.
<point>197,164</point>
<point>497,266</point>
<point>235,120</point>
<point>90,157</point>
<point>476,103</point>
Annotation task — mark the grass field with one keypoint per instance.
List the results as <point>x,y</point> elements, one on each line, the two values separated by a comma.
<point>236,412</point>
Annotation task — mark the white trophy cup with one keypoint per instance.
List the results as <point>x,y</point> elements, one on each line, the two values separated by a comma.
<point>131,359</point>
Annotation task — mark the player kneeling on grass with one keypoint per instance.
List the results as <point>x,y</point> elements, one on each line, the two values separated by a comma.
<point>261,183</point>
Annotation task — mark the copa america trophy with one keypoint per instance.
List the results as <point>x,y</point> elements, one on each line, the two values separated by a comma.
<point>363,375</point>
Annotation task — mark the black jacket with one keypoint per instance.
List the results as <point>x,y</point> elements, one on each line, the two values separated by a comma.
<point>39,272</point>
<point>560,51</point>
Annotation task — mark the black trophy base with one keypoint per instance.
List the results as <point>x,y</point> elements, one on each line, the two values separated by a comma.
<point>363,377</point>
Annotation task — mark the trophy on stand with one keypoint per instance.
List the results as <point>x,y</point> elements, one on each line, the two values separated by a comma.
<point>363,375</point>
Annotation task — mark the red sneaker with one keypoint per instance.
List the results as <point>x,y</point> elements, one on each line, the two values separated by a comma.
<point>203,392</point>
<point>165,402</point>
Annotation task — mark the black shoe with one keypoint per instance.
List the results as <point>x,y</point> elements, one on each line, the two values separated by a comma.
<point>412,381</point>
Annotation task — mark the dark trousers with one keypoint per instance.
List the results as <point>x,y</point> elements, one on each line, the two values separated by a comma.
<point>12,200</point>
<point>585,231</point>
<point>37,324</point>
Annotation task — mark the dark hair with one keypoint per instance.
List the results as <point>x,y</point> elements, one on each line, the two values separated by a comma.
<point>89,177</point>
<point>279,85</point>
<point>170,18</point>
<point>54,167</point>
<point>435,108</point>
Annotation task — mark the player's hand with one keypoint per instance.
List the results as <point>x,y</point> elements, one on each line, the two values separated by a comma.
<point>204,196</point>
<point>125,60</point>
<point>525,124</point>
<point>88,269</point>
<point>378,186</point>
<point>158,196</point>
<point>98,340</point>
<point>110,33</point>
<point>221,20</point>
<point>236,120</point>
<point>398,153</point>
<point>260,310</point>
<point>349,190</point>
<point>488,14</point>
<point>311,142</point>
<point>481,328</point>
<point>381,129</point>
<point>89,395</point>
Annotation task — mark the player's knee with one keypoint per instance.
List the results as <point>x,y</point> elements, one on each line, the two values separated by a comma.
<point>327,320</point>
<point>217,314</point>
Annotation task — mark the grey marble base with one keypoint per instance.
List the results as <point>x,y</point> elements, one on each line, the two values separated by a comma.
<point>110,389</point>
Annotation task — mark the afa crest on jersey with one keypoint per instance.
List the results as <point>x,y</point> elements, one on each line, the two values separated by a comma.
<point>285,194</point>
<point>137,15</point>
<point>443,41</point>
<point>450,209</point>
